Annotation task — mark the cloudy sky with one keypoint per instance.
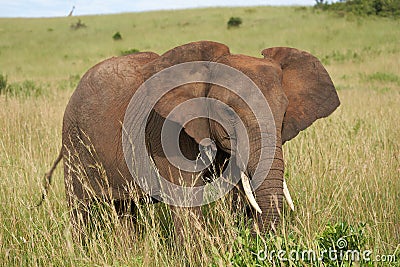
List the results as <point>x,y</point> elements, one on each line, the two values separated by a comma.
<point>57,8</point>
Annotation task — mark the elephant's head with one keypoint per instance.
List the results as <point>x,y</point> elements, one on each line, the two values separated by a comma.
<point>297,88</point>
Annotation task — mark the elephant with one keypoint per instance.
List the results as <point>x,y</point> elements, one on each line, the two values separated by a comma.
<point>298,90</point>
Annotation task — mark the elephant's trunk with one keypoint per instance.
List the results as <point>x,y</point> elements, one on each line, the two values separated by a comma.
<point>269,194</point>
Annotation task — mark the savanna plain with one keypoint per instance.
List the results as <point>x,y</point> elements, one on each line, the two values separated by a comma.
<point>343,172</point>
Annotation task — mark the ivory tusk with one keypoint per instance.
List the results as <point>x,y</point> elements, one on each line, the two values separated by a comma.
<point>287,195</point>
<point>249,192</point>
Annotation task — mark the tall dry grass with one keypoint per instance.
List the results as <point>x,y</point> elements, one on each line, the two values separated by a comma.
<point>344,168</point>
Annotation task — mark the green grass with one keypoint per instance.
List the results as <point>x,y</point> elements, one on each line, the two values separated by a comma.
<point>345,168</point>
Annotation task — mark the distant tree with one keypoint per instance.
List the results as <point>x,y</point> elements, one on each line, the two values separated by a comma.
<point>234,22</point>
<point>383,8</point>
<point>117,36</point>
<point>320,4</point>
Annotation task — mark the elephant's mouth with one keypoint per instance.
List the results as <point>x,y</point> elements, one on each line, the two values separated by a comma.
<point>245,179</point>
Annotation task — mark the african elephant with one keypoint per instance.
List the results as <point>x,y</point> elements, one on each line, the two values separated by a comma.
<point>296,86</point>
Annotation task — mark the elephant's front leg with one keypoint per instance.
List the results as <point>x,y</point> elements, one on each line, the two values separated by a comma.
<point>187,214</point>
<point>185,202</point>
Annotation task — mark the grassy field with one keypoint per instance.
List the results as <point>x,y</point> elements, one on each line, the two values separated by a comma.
<point>343,170</point>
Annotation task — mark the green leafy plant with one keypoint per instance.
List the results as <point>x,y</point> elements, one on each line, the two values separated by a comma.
<point>288,249</point>
<point>382,77</point>
<point>25,89</point>
<point>117,36</point>
<point>340,239</point>
<point>129,51</point>
<point>234,22</point>
<point>250,250</point>
<point>341,57</point>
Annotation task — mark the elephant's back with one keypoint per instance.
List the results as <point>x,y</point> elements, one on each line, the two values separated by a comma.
<point>97,107</point>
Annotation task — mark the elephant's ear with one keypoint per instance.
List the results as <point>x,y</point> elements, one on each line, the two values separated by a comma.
<point>196,51</point>
<point>308,87</point>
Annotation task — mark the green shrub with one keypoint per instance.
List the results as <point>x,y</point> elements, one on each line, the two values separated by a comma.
<point>250,10</point>
<point>259,251</point>
<point>25,89</point>
<point>341,57</point>
<point>234,22</point>
<point>3,83</point>
<point>129,51</point>
<point>339,239</point>
<point>382,77</point>
<point>78,25</point>
<point>250,250</point>
<point>117,36</point>
<point>300,8</point>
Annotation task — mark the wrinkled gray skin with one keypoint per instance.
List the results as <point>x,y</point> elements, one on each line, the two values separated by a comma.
<point>296,85</point>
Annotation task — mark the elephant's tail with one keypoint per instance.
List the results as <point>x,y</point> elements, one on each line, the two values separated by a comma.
<point>47,178</point>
